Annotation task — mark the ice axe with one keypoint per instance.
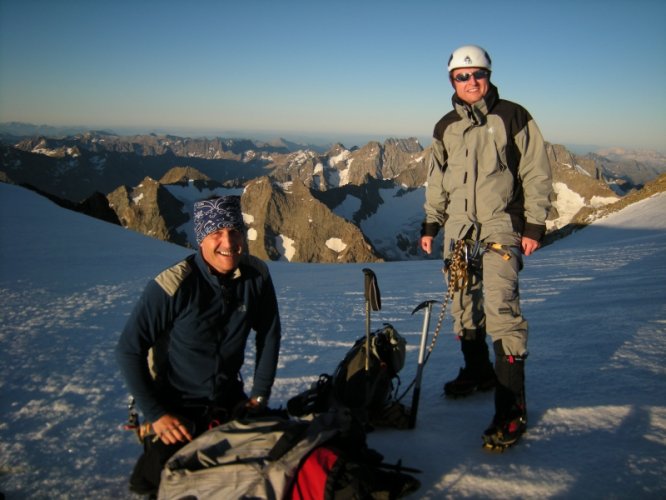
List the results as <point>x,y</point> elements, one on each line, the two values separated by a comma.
<point>427,306</point>
<point>373,301</point>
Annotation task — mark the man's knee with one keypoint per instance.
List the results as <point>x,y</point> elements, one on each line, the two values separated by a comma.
<point>510,345</point>
<point>473,334</point>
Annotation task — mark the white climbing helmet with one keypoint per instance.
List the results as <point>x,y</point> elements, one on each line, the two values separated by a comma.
<point>469,56</point>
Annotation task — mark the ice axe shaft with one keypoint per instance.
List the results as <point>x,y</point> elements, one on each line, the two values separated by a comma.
<point>427,306</point>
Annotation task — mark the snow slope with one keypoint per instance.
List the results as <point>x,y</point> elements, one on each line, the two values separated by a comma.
<point>595,375</point>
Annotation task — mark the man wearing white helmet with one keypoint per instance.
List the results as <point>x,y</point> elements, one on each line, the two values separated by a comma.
<point>489,185</point>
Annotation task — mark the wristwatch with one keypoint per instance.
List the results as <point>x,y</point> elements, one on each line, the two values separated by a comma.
<point>260,401</point>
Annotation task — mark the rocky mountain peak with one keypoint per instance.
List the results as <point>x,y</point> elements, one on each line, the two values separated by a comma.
<point>150,209</point>
<point>181,175</point>
<point>285,222</point>
<point>301,204</point>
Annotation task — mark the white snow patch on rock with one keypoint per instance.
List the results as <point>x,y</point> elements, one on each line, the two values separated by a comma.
<point>336,244</point>
<point>285,246</point>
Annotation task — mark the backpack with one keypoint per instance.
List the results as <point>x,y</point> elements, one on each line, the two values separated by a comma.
<point>276,458</point>
<point>330,472</point>
<point>369,395</point>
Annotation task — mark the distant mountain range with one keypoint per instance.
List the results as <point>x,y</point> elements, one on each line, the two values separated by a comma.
<point>300,204</point>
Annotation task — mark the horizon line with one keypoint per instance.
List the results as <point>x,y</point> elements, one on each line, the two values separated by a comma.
<point>311,138</point>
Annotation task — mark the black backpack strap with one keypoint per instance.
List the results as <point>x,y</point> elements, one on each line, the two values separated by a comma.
<point>294,432</point>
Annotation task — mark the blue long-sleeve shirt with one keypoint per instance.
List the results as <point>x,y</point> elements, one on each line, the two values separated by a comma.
<point>206,320</point>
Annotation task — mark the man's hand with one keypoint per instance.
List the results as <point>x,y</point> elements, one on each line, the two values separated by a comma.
<point>171,430</point>
<point>426,244</point>
<point>529,246</point>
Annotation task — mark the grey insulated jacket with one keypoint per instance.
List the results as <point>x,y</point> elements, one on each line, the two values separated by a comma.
<point>489,170</point>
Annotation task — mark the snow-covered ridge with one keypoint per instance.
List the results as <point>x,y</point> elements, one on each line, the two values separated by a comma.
<point>596,400</point>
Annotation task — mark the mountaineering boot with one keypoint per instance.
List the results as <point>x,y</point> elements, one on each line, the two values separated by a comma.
<point>478,373</point>
<point>510,420</point>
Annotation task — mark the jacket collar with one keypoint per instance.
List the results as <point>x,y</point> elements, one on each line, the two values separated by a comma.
<point>477,112</point>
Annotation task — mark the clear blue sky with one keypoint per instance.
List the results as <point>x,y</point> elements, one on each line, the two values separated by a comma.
<point>591,72</point>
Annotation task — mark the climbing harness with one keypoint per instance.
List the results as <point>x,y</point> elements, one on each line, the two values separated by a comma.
<point>465,253</point>
<point>504,251</point>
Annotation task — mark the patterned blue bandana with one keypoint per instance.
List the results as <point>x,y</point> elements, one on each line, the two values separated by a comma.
<point>217,213</point>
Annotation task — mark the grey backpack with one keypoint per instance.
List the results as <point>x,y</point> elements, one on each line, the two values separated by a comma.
<point>245,459</point>
<point>271,458</point>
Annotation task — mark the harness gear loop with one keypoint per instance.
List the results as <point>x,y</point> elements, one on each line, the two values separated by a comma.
<point>475,249</point>
<point>503,250</point>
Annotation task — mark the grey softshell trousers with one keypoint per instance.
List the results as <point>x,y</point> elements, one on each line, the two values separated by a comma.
<point>491,299</point>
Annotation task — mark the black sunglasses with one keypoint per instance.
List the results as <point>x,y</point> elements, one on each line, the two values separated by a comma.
<point>479,74</point>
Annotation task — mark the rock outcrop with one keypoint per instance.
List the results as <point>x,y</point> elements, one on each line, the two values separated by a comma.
<point>285,222</point>
<point>150,209</point>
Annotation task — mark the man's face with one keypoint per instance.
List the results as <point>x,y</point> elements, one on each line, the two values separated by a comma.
<point>475,87</point>
<point>222,249</point>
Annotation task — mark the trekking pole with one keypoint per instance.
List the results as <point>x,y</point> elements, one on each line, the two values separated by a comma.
<point>427,306</point>
<point>373,302</point>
